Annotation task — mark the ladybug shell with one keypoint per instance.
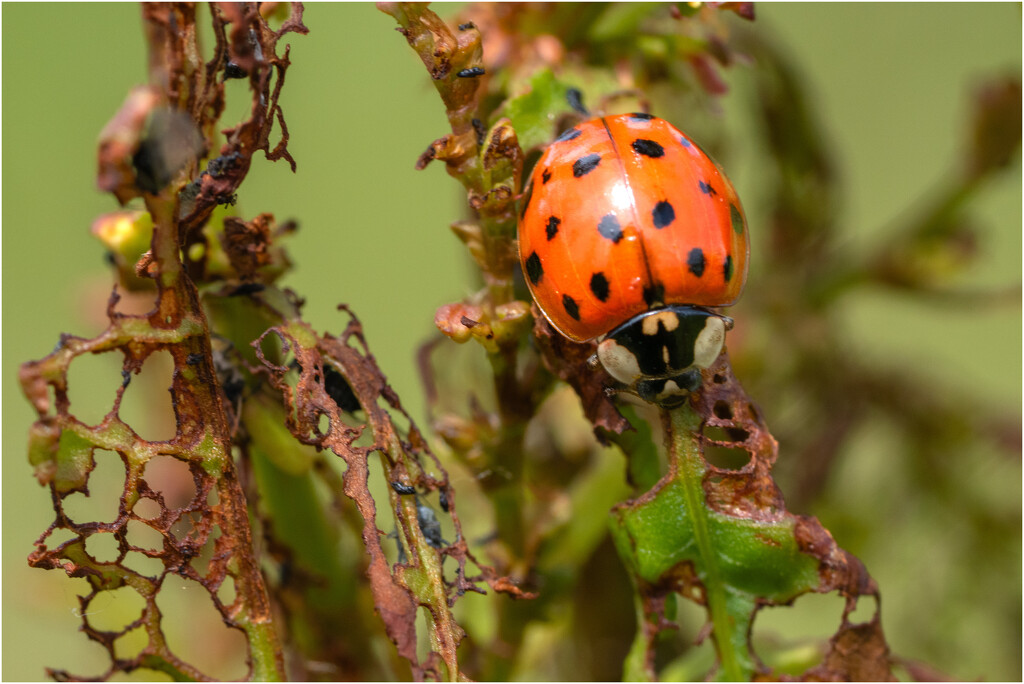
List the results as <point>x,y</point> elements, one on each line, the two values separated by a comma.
<point>623,214</point>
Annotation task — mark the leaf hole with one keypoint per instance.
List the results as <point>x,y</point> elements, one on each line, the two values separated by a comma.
<point>867,607</point>
<point>196,251</point>
<point>147,508</point>
<point>106,486</point>
<point>722,410</point>
<point>143,536</point>
<point>102,547</point>
<point>92,384</point>
<point>130,644</point>
<point>143,564</point>
<point>790,638</point>
<point>146,405</point>
<point>138,303</point>
<point>726,457</point>
<point>226,592</point>
<point>113,610</point>
<point>172,479</point>
<point>196,632</point>
<point>323,424</point>
<point>688,661</point>
<point>201,563</point>
<point>273,350</point>
<point>185,530</point>
<point>724,433</point>
<point>59,536</point>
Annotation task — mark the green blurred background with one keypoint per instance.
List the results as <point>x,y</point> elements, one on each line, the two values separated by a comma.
<point>890,82</point>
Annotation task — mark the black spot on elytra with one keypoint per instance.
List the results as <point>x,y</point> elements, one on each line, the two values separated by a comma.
<point>696,261</point>
<point>737,219</point>
<point>654,294</point>
<point>707,189</point>
<point>609,227</point>
<point>552,227</point>
<point>545,176</point>
<point>526,200</point>
<point>663,214</point>
<point>585,165</point>
<point>648,148</point>
<point>534,270</point>
<point>570,134</point>
<point>727,268</point>
<point>640,116</point>
<point>571,307</point>
<point>599,286</point>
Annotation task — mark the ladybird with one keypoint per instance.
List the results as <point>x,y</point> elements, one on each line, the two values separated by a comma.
<point>628,231</point>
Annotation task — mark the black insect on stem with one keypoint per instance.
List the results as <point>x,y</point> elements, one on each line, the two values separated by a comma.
<point>403,489</point>
<point>430,526</point>
<point>471,72</point>
<point>481,131</point>
<point>232,70</point>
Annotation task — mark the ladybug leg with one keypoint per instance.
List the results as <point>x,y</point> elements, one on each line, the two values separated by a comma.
<point>593,362</point>
<point>610,391</point>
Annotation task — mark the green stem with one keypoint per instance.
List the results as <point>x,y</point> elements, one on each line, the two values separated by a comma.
<point>265,649</point>
<point>683,438</point>
<point>422,572</point>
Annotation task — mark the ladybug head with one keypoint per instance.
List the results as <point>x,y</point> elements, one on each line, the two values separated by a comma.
<point>659,354</point>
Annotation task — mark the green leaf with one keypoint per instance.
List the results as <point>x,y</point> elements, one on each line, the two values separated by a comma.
<point>672,537</point>
<point>74,461</point>
<point>535,112</point>
<point>755,558</point>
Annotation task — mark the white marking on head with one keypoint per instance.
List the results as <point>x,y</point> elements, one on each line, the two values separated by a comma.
<point>619,361</point>
<point>671,389</point>
<point>649,325</point>
<point>709,342</point>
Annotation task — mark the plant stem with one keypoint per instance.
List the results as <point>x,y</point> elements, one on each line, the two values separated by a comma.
<point>683,440</point>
